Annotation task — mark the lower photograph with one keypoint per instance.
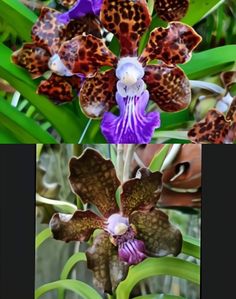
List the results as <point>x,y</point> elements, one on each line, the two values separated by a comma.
<point>118,221</point>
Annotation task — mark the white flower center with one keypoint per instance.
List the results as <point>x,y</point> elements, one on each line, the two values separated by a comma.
<point>130,71</point>
<point>120,229</point>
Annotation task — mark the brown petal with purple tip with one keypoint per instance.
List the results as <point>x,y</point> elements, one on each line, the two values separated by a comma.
<point>168,87</point>
<point>212,129</point>
<point>33,58</point>
<point>103,260</point>
<point>94,179</point>
<point>76,227</point>
<point>161,238</point>
<point>171,10</point>
<point>47,31</point>
<point>142,192</point>
<point>59,89</point>
<point>97,94</point>
<point>172,45</point>
<point>128,20</point>
<point>85,55</point>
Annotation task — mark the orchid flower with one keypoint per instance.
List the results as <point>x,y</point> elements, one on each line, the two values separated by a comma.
<point>125,84</point>
<point>130,233</point>
<point>48,33</point>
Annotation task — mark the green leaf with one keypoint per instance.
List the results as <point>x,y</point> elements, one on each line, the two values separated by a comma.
<point>42,236</point>
<point>24,128</point>
<point>68,124</point>
<point>191,247</point>
<point>63,206</point>
<point>79,287</point>
<point>6,136</point>
<point>18,16</point>
<point>158,266</point>
<point>159,296</point>
<point>172,120</point>
<point>209,62</point>
<point>198,9</point>
<point>158,159</point>
<point>72,261</point>
<point>171,134</point>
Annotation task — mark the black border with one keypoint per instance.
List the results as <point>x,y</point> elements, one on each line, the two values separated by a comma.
<point>17,221</point>
<point>218,233</point>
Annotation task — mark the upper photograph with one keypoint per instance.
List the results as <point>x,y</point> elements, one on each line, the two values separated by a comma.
<point>117,71</point>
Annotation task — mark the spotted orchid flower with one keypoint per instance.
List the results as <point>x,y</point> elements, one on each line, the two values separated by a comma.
<point>129,234</point>
<point>125,84</point>
<point>216,127</point>
<point>40,56</point>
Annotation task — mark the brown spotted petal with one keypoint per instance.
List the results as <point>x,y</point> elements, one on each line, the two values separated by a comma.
<point>47,31</point>
<point>172,45</point>
<point>171,10</point>
<point>33,58</point>
<point>59,89</point>
<point>128,20</point>
<point>212,129</point>
<point>103,260</point>
<point>88,24</point>
<point>76,227</point>
<point>66,3</point>
<point>85,55</point>
<point>142,192</point>
<point>161,238</point>
<point>97,94</point>
<point>168,87</point>
<point>94,179</point>
<point>231,114</point>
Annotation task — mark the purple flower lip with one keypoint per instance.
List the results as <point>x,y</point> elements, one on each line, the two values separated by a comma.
<point>81,9</point>
<point>134,124</point>
<point>132,251</point>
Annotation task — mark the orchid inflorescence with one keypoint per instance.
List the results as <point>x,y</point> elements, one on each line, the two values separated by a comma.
<point>129,232</point>
<point>71,46</point>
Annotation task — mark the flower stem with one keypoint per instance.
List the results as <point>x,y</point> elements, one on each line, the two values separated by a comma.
<point>120,161</point>
<point>128,160</point>
<point>85,130</point>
